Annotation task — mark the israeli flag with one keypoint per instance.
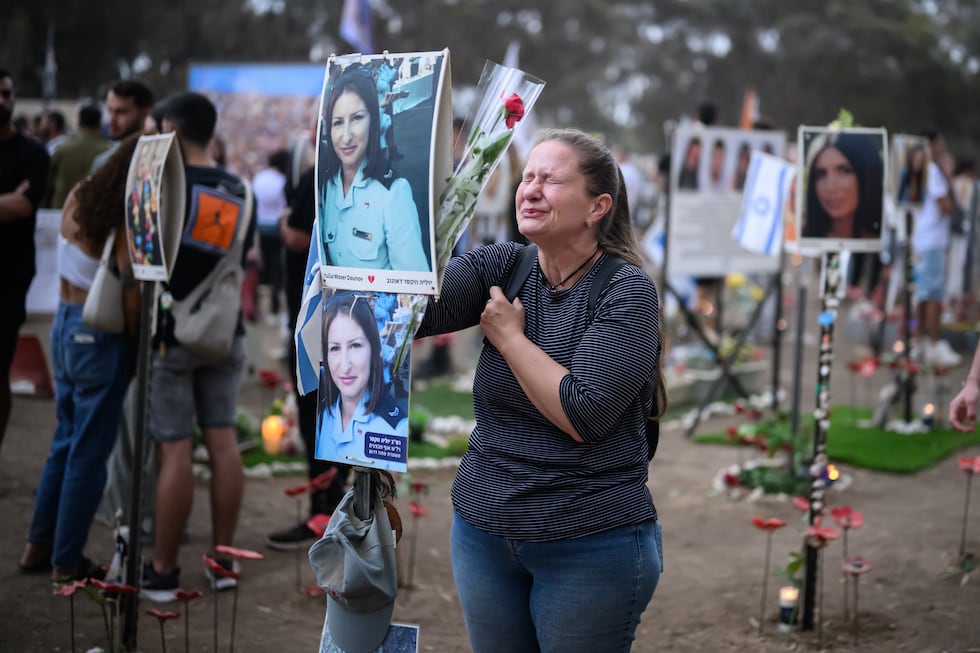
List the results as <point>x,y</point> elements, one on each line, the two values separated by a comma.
<point>309,342</point>
<point>759,227</point>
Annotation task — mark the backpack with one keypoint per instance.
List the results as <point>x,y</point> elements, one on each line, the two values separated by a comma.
<point>206,319</point>
<point>514,281</point>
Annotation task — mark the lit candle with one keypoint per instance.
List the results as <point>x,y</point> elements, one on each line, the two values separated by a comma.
<point>272,431</point>
<point>788,597</point>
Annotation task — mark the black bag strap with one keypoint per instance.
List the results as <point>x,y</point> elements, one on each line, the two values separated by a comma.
<point>521,270</point>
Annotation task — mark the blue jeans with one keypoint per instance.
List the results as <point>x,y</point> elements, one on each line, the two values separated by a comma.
<point>579,595</point>
<point>90,382</point>
<point>930,275</point>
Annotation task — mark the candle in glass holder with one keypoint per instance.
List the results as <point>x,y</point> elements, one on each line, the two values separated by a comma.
<point>788,597</point>
<point>272,432</point>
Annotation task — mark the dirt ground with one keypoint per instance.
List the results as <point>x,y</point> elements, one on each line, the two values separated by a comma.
<point>708,598</point>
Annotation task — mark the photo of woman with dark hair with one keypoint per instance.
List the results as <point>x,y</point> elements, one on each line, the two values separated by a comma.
<point>716,167</point>
<point>844,186</point>
<point>913,173</point>
<point>357,407</point>
<point>743,158</point>
<point>688,177</point>
<point>368,216</point>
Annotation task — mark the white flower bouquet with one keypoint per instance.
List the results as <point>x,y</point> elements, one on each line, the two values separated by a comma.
<point>504,96</point>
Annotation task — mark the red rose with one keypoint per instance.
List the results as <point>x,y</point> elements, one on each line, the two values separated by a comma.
<point>514,106</point>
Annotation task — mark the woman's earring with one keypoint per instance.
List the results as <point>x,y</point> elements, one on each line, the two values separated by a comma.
<point>590,224</point>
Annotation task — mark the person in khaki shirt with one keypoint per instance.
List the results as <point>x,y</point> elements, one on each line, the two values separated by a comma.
<point>73,159</point>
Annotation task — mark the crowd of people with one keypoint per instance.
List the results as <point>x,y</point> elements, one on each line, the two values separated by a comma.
<point>561,421</point>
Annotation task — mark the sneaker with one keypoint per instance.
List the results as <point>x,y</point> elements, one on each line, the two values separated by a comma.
<point>298,537</point>
<point>85,569</point>
<point>943,355</point>
<point>919,350</point>
<point>159,588</point>
<point>222,583</point>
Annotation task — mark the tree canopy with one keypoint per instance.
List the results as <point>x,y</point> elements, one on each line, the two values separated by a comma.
<point>613,66</point>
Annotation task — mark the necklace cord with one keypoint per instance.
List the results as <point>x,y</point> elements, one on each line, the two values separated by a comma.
<point>576,271</point>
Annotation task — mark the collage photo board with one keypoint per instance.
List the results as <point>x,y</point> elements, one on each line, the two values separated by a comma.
<point>709,170</point>
<point>383,157</point>
<point>155,201</point>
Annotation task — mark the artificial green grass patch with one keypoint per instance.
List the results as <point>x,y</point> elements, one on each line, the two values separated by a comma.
<point>875,448</point>
<point>885,451</point>
<point>257,455</point>
<point>437,397</point>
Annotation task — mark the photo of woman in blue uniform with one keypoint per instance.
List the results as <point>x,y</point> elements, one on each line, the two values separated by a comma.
<point>360,422</point>
<point>368,215</point>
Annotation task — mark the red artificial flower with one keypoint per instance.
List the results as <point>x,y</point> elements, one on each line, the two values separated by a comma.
<point>113,588</point>
<point>732,432</point>
<point>846,517</point>
<point>770,524</point>
<point>739,408</point>
<point>313,591</point>
<point>417,509</point>
<point>853,366</point>
<point>298,490</point>
<point>970,464</point>
<point>242,554</point>
<point>732,480</point>
<point>218,570</point>
<point>856,566</point>
<point>868,367</point>
<point>819,536</point>
<point>755,413</point>
<point>270,378</point>
<point>801,503</point>
<point>323,480</point>
<point>162,616</point>
<point>67,589</point>
<point>318,523</point>
<point>418,487</point>
<point>514,106</point>
<point>188,595</point>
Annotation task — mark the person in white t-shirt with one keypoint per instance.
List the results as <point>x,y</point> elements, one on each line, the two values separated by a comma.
<point>930,240</point>
<point>269,187</point>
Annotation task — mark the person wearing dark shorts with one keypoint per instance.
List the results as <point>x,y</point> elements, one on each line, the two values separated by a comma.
<point>296,229</point>
<point>186,386</point>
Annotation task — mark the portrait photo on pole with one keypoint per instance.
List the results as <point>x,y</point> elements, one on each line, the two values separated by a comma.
<point>841,196</point>
<point>362,410</point>
<point>375,158</point>
<point>709,171</point>
<point>909,170</point>
<point>154,206</point>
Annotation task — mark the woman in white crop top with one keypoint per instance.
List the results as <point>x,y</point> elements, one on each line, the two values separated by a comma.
<point>91,372</point>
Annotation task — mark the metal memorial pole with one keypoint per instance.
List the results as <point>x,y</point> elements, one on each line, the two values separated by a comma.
<point>777,332</point>
<point>906,374</point>
<point>831,277</point>
<point>363,495</point>
<point>130,602</point>
<point>801,292</point>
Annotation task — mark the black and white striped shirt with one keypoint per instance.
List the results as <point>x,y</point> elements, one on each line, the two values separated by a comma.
<point>523,478</point>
